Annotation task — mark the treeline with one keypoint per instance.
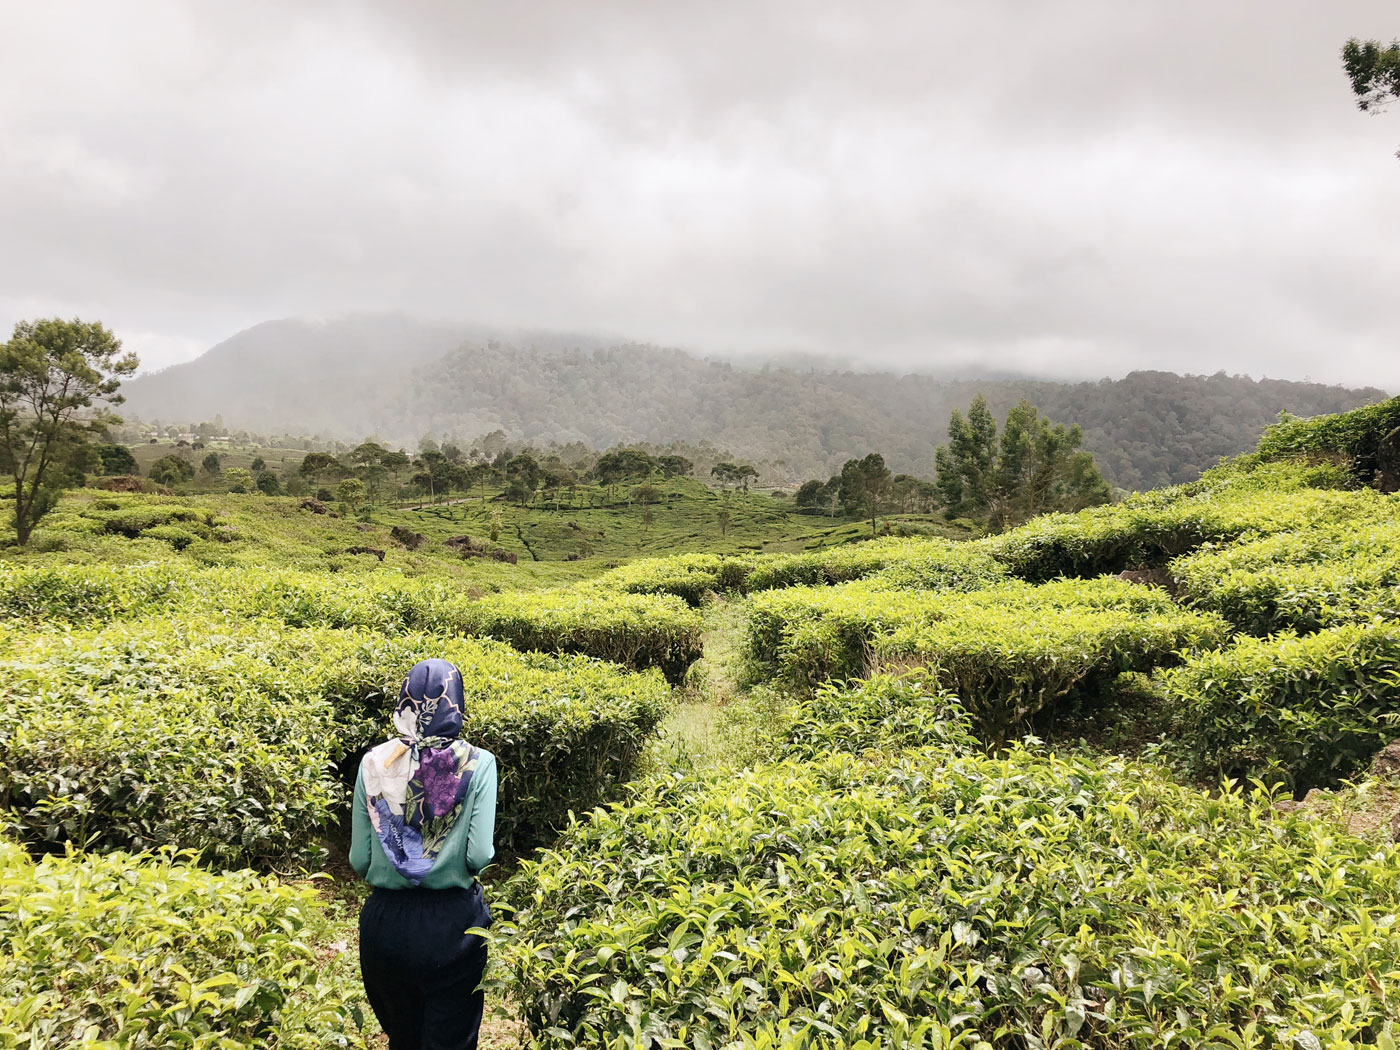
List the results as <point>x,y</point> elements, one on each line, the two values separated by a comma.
<point>998,479</point>
<point>353,376</point>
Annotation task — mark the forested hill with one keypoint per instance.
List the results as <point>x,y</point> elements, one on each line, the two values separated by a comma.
<point>402,379</point>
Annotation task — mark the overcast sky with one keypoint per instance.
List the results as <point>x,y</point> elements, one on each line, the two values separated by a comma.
<point>1075,188</point>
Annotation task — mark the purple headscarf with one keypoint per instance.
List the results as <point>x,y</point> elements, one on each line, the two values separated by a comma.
<point>416,783</point>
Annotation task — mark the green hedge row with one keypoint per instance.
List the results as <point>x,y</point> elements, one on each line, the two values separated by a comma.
<point>1304,711</point>
<point>1149,530</point>
<point>1301,580</point>
<point>953,901</point>
<point>225,739</point>
<point>1007,650</point>
<point>152,951</point>
<point>1355,435</point>
<point>638,631</point>
<point>898,562</point>
<point>1011,651</point>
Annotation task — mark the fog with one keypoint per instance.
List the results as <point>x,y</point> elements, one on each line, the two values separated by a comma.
<point>1076,189</point>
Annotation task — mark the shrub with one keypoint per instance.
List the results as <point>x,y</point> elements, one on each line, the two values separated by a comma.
<point>687,576</point>
<point>1301,580</point>
<point>225,739</point>
<point>636,630</point>
<point>953,901</point>
<point>1006,650</point>
<point>1355,435</point>
<point>1149,530</point>
<point>639,631</point>
<point>1303,711</point>
<point>885,713</point>
<point>81,593</point>
<point>151,951</point>
<point>1010,651</point>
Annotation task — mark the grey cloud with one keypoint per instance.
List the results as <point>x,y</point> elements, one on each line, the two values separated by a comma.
<point>1078,188</point>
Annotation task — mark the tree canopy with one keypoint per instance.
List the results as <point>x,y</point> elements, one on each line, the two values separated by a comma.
<point>1034,467</point>
<point>1374,71</point>
<point>57,381</point>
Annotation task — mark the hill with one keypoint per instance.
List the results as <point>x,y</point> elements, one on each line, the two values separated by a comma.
<point>401,379</point>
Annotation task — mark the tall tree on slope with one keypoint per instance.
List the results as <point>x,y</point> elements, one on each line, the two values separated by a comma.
<point>57,379</point>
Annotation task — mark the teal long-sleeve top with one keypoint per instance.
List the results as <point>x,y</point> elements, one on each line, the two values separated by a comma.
<point>469,847</point>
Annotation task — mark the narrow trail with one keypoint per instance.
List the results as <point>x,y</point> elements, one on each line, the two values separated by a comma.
<point>691,736</point>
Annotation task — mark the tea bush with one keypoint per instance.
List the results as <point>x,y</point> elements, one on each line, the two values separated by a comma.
<point>636,630</point>
<point>1303,711</point>
<point>1149,530</point>
<point>1301,580</point>
<point>897,562</point>
<point>1356,435</point>
<point>225,739</point>
<point>1010,651</point>
<point>151,951</point>
<point>954,901</point>
<point>1006,650</point>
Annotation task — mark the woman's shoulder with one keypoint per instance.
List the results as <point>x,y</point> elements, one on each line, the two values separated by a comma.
<point>483,757</point>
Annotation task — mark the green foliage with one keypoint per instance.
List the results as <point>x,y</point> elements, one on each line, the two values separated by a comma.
<point>953,901</point>
<point>171,470</point>
<point>1301,580</point>
<point>1009,651</point>
<point>57,379</point>
<point>1035,468</point>
<point>1006,651</point>
<point>1374,71</point>
<point>1302,711</point>
<point>638,631</point>
<point>151,951</point>
<point>224,739</point>
<point>883,713</point>
<point>1149,530</point>
<point>1356,436</point>
<point>117,459</point>
<point>899,562</point>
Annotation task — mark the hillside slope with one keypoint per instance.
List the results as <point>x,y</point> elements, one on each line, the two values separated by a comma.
<point>401,379</point>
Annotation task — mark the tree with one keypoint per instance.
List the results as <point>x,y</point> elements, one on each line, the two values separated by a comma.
<point>171,470</point>
<point>316,467</point>
<point>259,464</point>
<point>57,380</point>
<point>674,466</point>
<point>351,493</point>
<point>865,485</point>
<point>965,464</point>
<point>268,484</point>
<point>239,479</point>
<point>1374,71</point>
<point>210,464</point>
<point>117,459</point>
<point>809,495</point>
<point>522,478</point>
<point>1035,467</point>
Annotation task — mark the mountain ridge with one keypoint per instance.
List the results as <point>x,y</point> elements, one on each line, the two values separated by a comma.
<point>401,379</point>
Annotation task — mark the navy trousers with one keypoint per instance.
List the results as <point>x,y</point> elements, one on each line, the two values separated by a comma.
<point>421,970</point>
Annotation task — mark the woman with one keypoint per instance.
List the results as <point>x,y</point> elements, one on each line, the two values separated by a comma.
<point>424,814</point>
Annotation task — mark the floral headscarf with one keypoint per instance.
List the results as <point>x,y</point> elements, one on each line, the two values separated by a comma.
<point>415,784</point>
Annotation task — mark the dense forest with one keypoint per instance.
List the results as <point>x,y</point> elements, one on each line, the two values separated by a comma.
<point>402,380</point>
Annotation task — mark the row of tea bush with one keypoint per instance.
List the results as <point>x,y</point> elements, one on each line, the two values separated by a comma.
<point>227,738</point>
<point>902,562</point>
<point>1008,650</point>
<point>638,631</point>
<point>154,951</point>
<point>934,896</point>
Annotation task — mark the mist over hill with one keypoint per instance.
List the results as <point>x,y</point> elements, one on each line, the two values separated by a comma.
<point>402,378</point>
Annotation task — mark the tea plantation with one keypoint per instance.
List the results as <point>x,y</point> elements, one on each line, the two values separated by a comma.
<point>809,798</point>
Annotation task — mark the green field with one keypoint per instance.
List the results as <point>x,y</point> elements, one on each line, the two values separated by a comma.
<point>1102,781</point>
